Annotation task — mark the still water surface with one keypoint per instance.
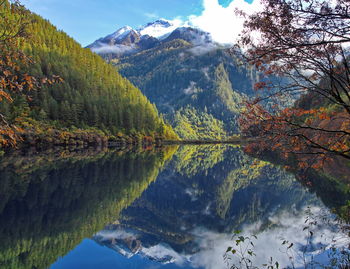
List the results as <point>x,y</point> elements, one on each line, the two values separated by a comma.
<point>170,208</point>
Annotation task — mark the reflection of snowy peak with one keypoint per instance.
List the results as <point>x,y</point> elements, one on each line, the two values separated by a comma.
<point>129,245</point>
<point>126,40</point>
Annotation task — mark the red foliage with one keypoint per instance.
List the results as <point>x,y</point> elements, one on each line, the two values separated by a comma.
<point>13,64</point>
<point>303,42</point>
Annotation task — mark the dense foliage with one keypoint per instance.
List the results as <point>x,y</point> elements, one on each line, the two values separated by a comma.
<point>192,124</point>
<point>13,21</point>
<point>306,42</point>
<point>92,93</point>
<point>180,77</point>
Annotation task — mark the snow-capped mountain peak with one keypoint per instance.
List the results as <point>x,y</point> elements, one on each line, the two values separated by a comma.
<point>127,40</point>
<point>193,35</point>
<point>121,33</point>
<point>162,22</point>
<point>160,28</point>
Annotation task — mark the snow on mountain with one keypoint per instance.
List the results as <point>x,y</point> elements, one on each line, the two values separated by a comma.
<point>121,42</point>
<point>120,33</point>
<point>116,49</point>
<point>160,28</point>
<point>192,35</point>
<point>127,40</point>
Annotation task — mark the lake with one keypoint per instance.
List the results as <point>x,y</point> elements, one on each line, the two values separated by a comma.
<point>175,207</point>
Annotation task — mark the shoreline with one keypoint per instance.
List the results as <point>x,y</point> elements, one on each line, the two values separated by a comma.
<point>205,142</point>
<point>120,144</point>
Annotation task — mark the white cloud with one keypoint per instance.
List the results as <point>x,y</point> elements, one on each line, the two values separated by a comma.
<point>286,226</point>
<point>118,234</point>
<point>117,48</point>
<point>222,23</point>
<point>198,50</point>
<point>151,15</point>
<point>210,245</point>
<point>164,253</point>
<point>159,30</point>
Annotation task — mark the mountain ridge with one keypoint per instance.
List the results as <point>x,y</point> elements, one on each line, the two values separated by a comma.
<point>127,40</point>
<point>197,84</point>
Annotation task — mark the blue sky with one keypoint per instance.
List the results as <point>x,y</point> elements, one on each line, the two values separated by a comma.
<point>88,20</point>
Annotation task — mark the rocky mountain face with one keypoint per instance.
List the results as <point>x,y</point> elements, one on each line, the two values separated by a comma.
<point>195,82</point>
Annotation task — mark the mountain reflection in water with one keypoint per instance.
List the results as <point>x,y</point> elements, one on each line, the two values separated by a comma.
<point>172,208</point>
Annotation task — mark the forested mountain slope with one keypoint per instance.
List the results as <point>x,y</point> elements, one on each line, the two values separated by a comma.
<point>176,79</point>
<point>184,73</point>
<point>92,94</point>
